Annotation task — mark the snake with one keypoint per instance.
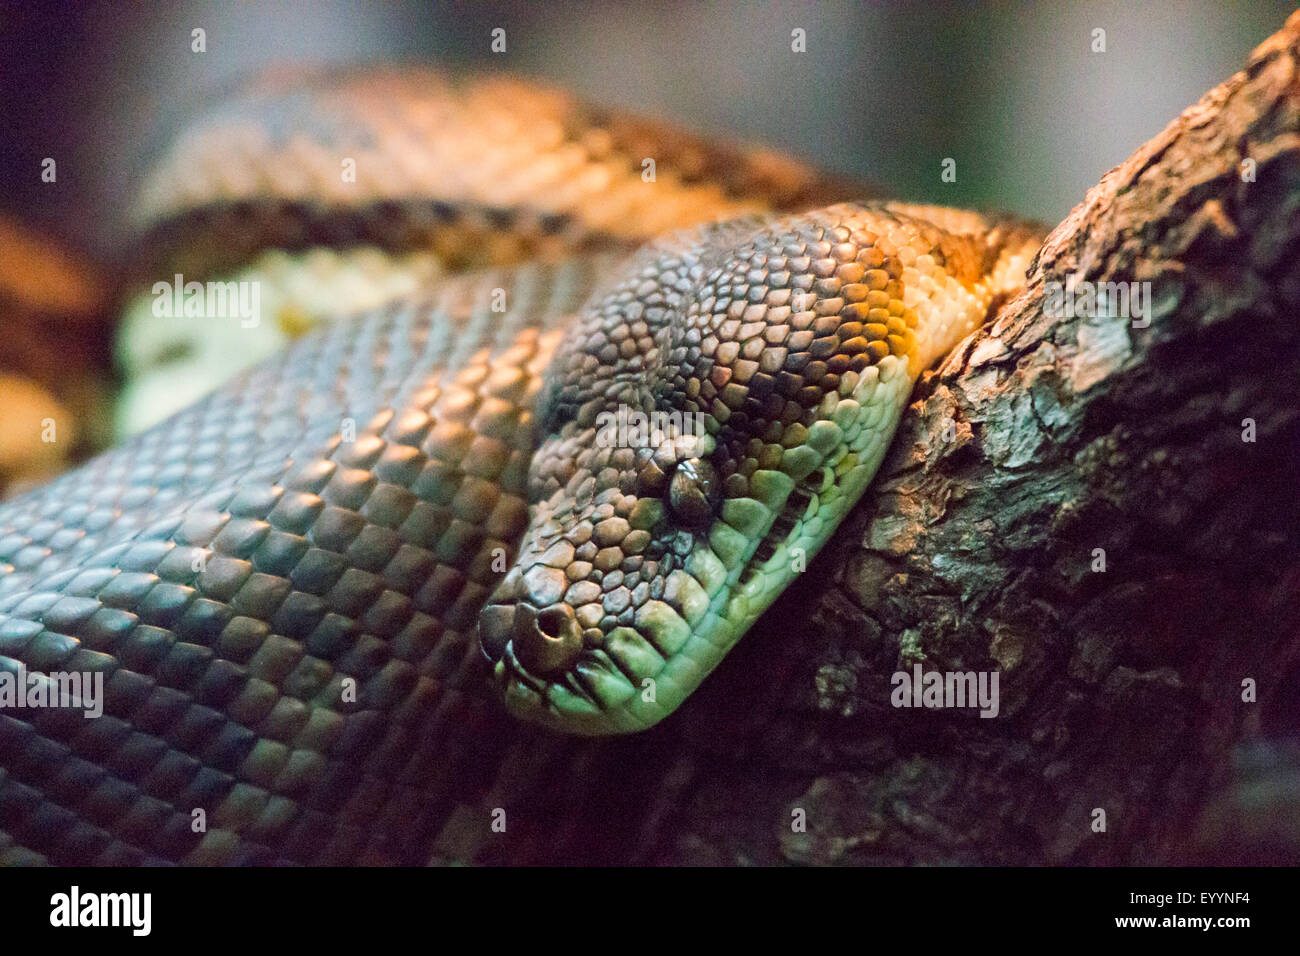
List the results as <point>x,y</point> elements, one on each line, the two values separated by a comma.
<point>590,393</point>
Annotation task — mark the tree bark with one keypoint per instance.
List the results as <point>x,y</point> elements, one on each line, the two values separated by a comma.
<point>1102,510</point>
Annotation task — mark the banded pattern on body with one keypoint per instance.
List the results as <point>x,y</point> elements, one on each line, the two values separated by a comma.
<point>291,586</point>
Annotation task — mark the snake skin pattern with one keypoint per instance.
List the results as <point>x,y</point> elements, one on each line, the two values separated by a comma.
<point>311,592</point>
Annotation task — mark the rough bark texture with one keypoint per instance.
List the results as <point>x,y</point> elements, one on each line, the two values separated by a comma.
<point>1041,440</point>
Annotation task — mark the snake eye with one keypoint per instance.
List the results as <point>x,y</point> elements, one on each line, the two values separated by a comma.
<point>694,493</point>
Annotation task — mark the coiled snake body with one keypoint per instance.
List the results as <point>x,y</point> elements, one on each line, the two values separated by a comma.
<point>297,585</point>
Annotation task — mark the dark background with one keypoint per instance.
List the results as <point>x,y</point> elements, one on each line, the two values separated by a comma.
<point>1011,91</point>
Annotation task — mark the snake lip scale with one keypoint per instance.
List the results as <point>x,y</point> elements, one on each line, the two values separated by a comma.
<point>309,588</point>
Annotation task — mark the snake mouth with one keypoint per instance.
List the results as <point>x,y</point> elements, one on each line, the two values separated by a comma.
<point>548,668</point>
<point>538,658</point>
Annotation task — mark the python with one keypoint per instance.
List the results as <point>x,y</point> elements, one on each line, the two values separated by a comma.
<point>235,568</point>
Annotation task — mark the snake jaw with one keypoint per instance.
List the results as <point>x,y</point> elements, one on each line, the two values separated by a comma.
<point>643,650</point>
<point>565,646</point>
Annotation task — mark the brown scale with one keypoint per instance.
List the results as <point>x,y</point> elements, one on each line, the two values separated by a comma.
<point>262,170</point>
<point>213,240</point>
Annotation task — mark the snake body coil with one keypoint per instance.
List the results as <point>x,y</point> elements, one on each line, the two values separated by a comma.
<point>300,586</point>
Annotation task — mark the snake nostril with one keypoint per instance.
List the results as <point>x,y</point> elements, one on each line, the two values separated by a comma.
<point>554,622</point>
<point>548,641</point>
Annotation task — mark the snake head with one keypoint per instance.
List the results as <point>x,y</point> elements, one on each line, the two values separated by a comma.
<point>708,422</point>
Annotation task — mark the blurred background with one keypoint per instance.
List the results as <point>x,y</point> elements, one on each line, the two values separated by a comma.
<point>1012,91</point>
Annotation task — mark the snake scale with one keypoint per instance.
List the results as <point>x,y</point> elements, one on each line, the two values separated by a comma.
<point>414,526</point>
